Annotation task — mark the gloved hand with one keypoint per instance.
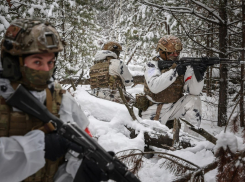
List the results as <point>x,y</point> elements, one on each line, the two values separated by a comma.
<point>201,68</point>
<point>57,146</point>
<point>90,171</point>
<point>181,69</point>
<point>199,71</point>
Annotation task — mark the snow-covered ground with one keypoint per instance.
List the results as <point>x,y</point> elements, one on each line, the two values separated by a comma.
<point>108,121</point>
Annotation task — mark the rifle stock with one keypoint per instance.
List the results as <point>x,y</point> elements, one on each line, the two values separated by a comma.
<point>25,101</point>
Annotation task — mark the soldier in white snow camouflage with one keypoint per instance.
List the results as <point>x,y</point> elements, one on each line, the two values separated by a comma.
<point>164,87</point>
<point>30,150</point>
<point>108,73</point>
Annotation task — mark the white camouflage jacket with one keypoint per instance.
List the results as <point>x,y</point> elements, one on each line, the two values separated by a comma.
<point>117,67</point>
<point>158,81</point>
<point>22,156</point>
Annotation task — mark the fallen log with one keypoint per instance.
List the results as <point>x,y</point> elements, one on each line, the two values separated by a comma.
<point>158,140</point>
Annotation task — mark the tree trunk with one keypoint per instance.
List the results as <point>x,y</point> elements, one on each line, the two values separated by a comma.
<point>63,27</point>
<point>176,130</point>
<point>223,30</point>
<point>242,68</point>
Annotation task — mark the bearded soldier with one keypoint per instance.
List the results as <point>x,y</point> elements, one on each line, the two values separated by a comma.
<point>29,51</point>
<point>164,87</point>
<point>108,73</point>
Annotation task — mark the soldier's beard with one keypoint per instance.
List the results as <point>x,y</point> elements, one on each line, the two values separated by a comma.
<point>35,79</point>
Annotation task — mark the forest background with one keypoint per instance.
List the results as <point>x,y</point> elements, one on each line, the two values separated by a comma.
<point>206,28</point>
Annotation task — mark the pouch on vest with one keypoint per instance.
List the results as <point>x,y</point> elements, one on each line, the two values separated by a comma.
<point>141,102</point>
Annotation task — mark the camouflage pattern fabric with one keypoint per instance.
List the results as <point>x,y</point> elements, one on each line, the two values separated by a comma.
<point>30,36</point>
<point>169,43</point>
<point>100,78</point>
<point>188,107</point>
<point>35,79</point>
<point>107,94</point>
<point>107,74</point>
<point>19,123</point>
<point>171,94</point>
<point>141,102</point>
<point>113,95</point>
<point>112,46</point>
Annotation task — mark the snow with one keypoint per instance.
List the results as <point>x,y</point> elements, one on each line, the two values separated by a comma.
<point>107,125</point>
<point>225,140</point>
<point>108,119</point>
<point>4,21</point>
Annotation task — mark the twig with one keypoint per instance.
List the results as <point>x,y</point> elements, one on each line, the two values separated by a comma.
<point>203,170</point>
<point>130,109</point>
<point>232,113</point>
<point>202,132</point>
<point>80,77</point>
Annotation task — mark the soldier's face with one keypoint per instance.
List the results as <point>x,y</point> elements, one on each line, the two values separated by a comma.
<point>42,62</point>
<point>174,56</point>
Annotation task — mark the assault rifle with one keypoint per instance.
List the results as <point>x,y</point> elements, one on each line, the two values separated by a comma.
<point>194,62</point>
<point>115,169</point>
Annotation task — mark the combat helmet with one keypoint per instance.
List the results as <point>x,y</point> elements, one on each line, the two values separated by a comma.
<point>112,46</point>
<point>25,37</point>
<point>167,45</point>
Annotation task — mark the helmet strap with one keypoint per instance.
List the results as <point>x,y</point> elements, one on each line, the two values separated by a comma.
<point>21,61</point>
<point>166,56</point>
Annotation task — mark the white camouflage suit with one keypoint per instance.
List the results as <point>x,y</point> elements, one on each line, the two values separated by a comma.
<point>188,106</point>
<point>22,156</point>
<point>117,68</point>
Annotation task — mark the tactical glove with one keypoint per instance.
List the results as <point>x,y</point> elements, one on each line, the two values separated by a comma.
<point>202,68</point>
<point>57,146</point>
<point>199,71</point>
<point>90,171</point>
<point>181,69</point>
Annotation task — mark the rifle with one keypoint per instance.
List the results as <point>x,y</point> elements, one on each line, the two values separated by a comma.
<point>115,169</point>
<point>192,61</point>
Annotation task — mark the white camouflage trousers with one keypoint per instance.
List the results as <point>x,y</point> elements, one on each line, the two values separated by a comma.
<point>188,107</point>
<point>107,94</point>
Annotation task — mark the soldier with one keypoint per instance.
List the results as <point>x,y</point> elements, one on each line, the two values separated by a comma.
<point>29,51</point>
<point>164,88</point>
<point>108,73</point>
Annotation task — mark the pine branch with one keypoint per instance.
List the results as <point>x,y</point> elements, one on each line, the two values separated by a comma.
<point>174,164</point>
<point>130,159</point>
<point>176,158</point>
<point>176,167</point>
<point>200,171</point>
<point>230,165</point>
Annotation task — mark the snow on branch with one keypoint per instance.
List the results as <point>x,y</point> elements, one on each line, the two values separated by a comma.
<point>185,10</point>
<point>211,11</point>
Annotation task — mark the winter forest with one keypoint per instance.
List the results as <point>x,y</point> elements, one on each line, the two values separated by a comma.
<point>206,28</point>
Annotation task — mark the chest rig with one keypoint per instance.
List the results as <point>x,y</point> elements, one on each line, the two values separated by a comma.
<point>19,123</point>
<point>171,94</point>
<point>99,75</point>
